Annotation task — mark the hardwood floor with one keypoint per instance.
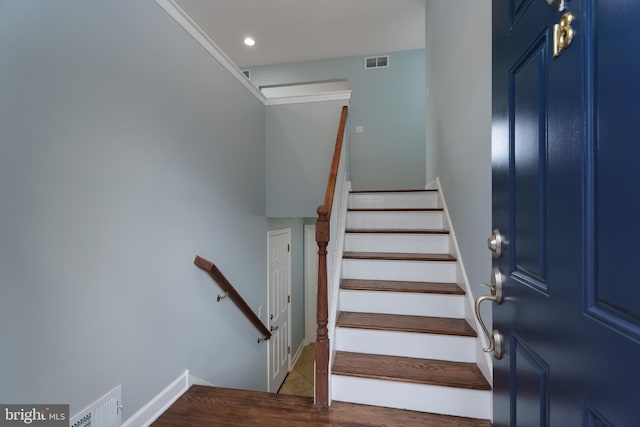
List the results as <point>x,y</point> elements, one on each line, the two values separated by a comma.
<point>204,406</point>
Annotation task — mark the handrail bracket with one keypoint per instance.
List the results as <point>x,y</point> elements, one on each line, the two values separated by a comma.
<point>231,292</point>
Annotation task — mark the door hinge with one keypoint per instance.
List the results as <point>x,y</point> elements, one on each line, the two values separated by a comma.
<point>289,349</point>
<point>289,299</point>
<point>288,248</point>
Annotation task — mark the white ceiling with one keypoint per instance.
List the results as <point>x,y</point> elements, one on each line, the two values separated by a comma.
<point>303,30</point>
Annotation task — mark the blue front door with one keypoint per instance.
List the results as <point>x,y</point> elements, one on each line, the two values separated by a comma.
<point>566,198</point>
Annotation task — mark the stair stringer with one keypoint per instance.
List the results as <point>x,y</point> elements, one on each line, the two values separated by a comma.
<point>483,360</point>
<point>334,281</point>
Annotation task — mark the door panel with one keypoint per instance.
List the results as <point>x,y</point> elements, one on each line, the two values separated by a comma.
<point>528,113</point>
<point>612,101</point>
<point>516,8</point>
<point>612,206</point>
<point>530,384</point>
<point>525,210</point>
<point>564,153</point>
<point>279,291</point>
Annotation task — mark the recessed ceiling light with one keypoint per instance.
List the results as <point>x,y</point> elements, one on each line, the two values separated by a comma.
<point>249,41</point>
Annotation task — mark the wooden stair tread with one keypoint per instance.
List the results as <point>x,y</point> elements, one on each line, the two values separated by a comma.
<point>396,231</point>
<point>405,323</point>
<point>409,369</point>
<point>203,406</point>
<point>401,286</point>
<point>395,209</point>
<point>398,256</point>
<point>393,191</point>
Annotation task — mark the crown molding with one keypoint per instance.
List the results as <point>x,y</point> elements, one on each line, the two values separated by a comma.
<point>189,25</point>
<point>301,99</point>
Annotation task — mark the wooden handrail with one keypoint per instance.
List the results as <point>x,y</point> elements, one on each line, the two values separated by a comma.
<point>335,163</point>
<point>322,239</point>
<point>217,275</point>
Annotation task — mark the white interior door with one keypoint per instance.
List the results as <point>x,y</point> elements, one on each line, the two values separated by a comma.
<point>310,282</point>
<point>279,303</point>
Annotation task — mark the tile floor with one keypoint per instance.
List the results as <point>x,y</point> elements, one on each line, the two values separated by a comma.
<point>299,382</point>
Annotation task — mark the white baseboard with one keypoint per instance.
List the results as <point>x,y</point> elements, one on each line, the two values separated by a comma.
<point>296,356</point>
<point>160,403</point>
<point>483,360</point>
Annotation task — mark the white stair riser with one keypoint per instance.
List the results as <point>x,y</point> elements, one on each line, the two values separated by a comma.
<point>408,303</point>
<point>383,242</point>
<point>425,200</point>
<point>419,271</point>
<point>417,397</point>
<point>406,344</point>
<point>413,220</point>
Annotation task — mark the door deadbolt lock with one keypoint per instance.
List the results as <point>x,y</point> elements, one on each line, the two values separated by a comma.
<point>494,243</point>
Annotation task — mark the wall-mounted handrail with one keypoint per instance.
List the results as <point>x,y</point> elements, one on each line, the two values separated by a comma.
<point>217,275</point>
<point>322,238</point>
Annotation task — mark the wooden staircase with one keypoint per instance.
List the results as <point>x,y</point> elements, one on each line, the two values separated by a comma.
<point>404,353</point>
<point>401,337</point>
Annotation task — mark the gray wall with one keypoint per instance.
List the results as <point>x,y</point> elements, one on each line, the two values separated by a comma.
<point>388,102</point>
<point>126,150</point>
<point>300,139</point>
<point>297,276</point>
<point>459,123</point>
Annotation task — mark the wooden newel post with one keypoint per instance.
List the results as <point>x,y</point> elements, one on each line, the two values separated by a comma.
<point>322,238</point>
<point>322,337</point>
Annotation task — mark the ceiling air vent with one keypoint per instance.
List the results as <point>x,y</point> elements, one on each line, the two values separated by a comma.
<point>376,62</point>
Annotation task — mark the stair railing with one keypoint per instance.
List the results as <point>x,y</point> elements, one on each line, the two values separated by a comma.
<point>329,226</point>
<point>233,295</point>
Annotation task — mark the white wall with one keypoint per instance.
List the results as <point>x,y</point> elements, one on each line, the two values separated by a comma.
<point>387,102</point>
<point>300,140</point>
<point>458,49</point>
<point>125,151</point>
